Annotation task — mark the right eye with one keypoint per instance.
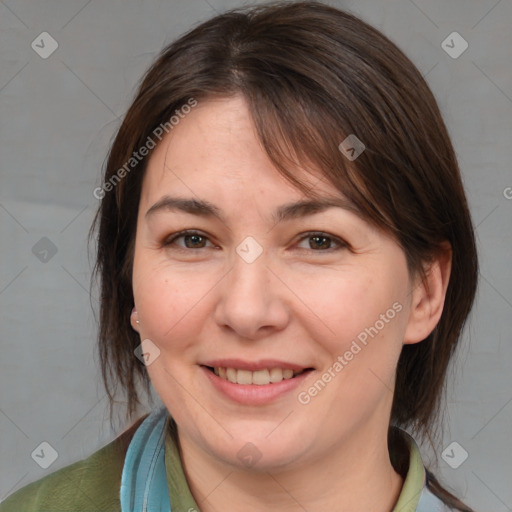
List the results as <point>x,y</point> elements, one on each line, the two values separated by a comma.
<point>193,240</point>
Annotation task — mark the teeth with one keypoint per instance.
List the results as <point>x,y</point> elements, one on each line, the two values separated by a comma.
<point>243,377</point>
<point>231,375</point>
<point>259,377</point>
<point>276,375</point>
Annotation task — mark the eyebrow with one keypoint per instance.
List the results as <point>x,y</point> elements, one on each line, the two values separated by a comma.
<point>285,212</point>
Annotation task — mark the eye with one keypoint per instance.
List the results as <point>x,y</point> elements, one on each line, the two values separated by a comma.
<point>322,242</point>
<point>318,241</point>
<point>192,239</point>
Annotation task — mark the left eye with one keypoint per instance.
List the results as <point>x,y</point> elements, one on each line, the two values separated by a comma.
<point>323,241</point>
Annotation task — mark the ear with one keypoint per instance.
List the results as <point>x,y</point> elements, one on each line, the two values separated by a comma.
<point>428,296</point>
<point>134,320</point>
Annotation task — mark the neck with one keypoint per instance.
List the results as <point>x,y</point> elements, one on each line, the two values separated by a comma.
<point>345,478</point>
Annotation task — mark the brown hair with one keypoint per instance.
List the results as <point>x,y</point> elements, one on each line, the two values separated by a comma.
<point>312,75</point>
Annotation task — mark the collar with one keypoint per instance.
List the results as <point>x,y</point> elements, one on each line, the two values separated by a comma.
<point>153,476</point>
<point>415,495</point>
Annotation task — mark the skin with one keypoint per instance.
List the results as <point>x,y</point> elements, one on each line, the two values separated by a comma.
<point>298,301</point>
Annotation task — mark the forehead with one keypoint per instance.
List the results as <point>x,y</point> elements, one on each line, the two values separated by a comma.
<point>216,147</point>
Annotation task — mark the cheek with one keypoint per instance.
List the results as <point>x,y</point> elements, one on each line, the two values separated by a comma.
<point>169,303</point>
<point>361,312</point>
<point>343,304</point>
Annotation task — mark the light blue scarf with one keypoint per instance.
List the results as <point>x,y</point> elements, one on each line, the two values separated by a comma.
<point>144,478</point>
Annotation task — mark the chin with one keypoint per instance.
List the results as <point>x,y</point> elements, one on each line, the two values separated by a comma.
<point>258,451</point>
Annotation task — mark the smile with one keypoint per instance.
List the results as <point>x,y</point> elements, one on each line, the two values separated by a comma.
<point>256,384</point>
<point>258,378</point>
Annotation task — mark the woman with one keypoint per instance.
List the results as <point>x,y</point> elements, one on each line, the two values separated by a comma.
<point>286,254</point>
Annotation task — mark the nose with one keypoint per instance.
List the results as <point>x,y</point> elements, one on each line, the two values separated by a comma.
<point>252,299</point>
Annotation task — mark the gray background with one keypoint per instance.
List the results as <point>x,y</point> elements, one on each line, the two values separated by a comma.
<point>57,117</point>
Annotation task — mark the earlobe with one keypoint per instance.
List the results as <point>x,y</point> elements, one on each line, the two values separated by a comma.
<point>428,296</point>
<point>134,320</point>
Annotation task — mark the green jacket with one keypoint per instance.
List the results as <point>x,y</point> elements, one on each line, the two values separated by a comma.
<point>93,484</point>
<point>86,485</point>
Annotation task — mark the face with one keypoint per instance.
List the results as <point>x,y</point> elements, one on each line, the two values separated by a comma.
<point>282,331</point>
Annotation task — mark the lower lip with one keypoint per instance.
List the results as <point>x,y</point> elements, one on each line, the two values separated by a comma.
<point>252,394</point>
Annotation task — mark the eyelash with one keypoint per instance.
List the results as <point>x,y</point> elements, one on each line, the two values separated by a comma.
<point>341,244</point>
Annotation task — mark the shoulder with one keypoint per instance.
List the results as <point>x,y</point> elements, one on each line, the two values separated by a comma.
<point>91,484</point>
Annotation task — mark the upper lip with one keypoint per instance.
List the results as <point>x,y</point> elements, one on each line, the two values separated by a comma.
<point>254,366</point>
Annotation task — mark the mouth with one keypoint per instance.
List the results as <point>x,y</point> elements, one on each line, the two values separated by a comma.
<point>252,384</point>
<point>261,377</point>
